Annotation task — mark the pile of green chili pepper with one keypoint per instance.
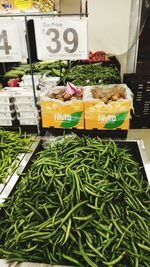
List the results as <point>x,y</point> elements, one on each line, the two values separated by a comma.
<point>11,144</point>
<point>92,74</point>
<point>82,202</point>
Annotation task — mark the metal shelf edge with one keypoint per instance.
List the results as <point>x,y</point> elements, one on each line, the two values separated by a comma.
<point>24,158</point>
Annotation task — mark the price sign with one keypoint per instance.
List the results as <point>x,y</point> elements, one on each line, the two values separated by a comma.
<point>10,50</point>
<point>61,38</point>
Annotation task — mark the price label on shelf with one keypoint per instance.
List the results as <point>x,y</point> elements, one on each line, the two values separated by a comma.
<point>10,48</point>
<point>61,38</point>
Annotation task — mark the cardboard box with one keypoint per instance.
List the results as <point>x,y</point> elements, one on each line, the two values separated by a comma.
<point>59,114</point>
<point>111,116</point>
<point>13,6</point>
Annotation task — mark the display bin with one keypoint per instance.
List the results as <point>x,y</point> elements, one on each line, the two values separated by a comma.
<point>58,114</point>
<point>112,62</point>
<point>111,116</point>
<point>136,148</point>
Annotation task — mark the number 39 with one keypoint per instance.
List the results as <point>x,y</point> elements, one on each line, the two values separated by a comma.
<point>55,39</point>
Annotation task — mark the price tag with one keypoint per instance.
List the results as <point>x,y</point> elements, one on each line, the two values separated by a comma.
<point>61,38</point>
<point>10,49</point>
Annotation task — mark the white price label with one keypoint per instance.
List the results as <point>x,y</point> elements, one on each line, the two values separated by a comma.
<point>10,49</point>
<point>61,38</point>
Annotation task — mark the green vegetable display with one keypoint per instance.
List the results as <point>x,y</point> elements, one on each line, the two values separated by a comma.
<point>11,144</point>
<point>89,74</point>
<point>92,74</point>
<point>83,202</point>
<point>14,73</point>
<point>49,68</point>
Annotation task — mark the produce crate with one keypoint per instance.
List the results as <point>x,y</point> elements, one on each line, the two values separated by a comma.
<point>113,62</point>
<point>107,116</point>
<point>59,114</point>
<point>140,87</point>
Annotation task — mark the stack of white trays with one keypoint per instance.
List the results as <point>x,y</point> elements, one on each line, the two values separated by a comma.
<point>7,109</point>
<point>27,113</point>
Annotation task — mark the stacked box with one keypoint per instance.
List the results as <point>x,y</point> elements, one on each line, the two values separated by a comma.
<point>88,112</point>
<point>27,113</point>
<point>7,109</point>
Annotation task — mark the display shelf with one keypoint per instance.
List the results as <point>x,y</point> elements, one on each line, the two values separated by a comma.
<point>4,263</point>
<point>117,134</point>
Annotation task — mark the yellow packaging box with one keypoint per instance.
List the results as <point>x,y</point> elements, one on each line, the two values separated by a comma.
<point>15,5</point>
<point>111,116</point>
<point>59,114</point>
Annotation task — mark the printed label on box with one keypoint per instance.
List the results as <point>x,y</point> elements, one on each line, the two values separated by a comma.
<point>62,115</point>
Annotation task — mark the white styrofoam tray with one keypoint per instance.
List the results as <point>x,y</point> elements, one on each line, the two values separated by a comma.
<point>7,107</point>
<point>27,114</point>
<point>6,98</point>
<point>7,122</point>
<point>25,97</point>
<point>25,107</point>
<point>28,121</point>
<point>8,114</point>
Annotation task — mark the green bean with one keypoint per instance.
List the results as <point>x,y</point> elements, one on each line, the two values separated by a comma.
<point>144,247</point>
<point>70,259</point>
<point>87,259</point>
<point>72,210</point>
<point>95,250</point>
<point>116,260</point>
<point>67,230</point>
